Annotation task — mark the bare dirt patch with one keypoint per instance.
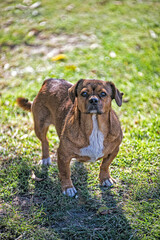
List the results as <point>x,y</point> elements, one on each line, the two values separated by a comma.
<point>55,44</point>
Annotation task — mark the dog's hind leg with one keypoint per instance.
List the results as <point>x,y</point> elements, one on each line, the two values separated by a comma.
<point>41,134</point>
<point>41,125</point>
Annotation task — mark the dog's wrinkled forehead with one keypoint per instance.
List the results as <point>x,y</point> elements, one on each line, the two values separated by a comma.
<point>93,86</point>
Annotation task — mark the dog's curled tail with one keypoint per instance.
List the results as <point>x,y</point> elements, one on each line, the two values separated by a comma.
<point>24,103</point>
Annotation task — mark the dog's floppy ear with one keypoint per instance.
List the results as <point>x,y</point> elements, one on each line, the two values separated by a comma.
<point>116,94</point>
<point>72,91</point>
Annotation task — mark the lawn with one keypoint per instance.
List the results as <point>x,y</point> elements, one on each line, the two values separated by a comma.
<point>103,39</point>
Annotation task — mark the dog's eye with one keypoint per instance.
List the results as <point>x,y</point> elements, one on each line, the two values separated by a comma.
<point>84,94</point>
<point>103,94</point>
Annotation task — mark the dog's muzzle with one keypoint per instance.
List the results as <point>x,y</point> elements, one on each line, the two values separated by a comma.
<point>93,100</point>
<point>93,105</point>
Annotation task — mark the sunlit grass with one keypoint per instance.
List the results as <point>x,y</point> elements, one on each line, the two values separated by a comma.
<point>110,40</point>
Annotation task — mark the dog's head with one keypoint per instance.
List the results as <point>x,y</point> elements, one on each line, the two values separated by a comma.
<point>94,96</point>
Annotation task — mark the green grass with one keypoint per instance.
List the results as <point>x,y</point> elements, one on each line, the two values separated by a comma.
<point>86,32</point>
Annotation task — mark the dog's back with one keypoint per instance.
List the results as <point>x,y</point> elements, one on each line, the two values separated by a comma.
<point>52,103</point>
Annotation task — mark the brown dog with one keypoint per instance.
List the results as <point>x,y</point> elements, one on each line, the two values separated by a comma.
<point>87,126</point>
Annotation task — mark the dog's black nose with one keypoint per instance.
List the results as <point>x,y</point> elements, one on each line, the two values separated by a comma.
<point>93,100</point>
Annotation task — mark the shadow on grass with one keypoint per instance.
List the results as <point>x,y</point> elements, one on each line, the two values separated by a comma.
<point>45,213</point>
<point>77,218</point>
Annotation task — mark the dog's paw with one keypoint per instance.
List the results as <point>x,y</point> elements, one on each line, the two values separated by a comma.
<point>70,192</point>
<point>45,161</point>
<point>108,182</point>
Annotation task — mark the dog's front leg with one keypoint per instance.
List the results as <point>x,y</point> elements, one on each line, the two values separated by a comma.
<point>105,178</point>
<point>65,174</point>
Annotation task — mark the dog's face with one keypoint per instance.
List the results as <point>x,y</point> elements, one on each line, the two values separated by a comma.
<point>94,96</point>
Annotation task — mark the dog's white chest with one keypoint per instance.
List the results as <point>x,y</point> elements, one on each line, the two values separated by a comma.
<point>95,148</point>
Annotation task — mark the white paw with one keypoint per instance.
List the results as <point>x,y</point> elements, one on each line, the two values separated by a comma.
<point>45,161</point>
<point>108,182</point>
<point>70,192</point>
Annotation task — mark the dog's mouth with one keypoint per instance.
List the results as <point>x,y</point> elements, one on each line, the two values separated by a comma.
<point>94,110</point>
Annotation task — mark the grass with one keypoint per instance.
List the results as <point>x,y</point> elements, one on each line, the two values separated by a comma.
<point>87,33</point>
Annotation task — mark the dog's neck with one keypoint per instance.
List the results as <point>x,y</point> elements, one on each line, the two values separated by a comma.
<point>80,125</point>
<point>94,149</point>
<point>85,121</point>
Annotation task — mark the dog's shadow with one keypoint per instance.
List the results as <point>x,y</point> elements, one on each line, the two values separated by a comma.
<point>87,216</point>
<point>105,217</point>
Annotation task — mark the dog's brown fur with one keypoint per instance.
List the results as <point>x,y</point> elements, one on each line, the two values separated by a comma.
<point>60,103</point>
